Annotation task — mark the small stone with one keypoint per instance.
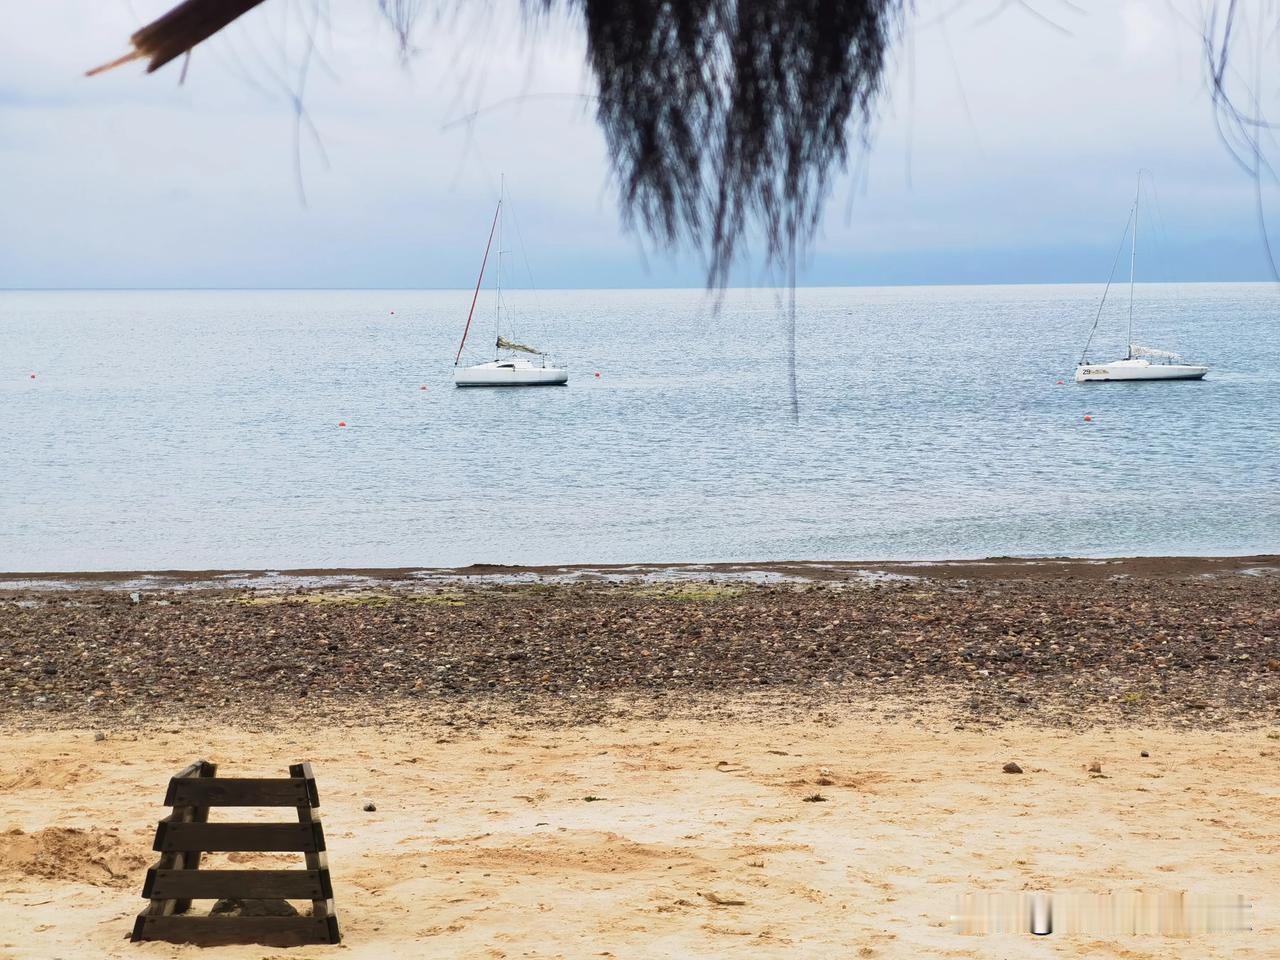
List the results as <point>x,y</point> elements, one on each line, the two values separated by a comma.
<point>723,901</point>
<point>1144,754</point>
<point>370,807</point>
<point>1095,767</point>
<point>99,736</point>
<point>135,597</point>
<point>1012,767</point>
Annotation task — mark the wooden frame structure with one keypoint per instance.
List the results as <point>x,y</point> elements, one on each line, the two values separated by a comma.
<point>185,835</point>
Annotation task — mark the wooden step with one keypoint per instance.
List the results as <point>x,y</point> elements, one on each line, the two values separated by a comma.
<point>164,884</point>
<point>215,931</point>
<point>236,837</point>
<point>241,792</point>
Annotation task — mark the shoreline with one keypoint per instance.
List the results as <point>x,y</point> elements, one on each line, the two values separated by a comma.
<point>774,571</point>
<point>1064,644</point>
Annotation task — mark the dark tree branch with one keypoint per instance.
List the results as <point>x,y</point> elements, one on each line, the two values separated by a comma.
<point>182,28</point>
<point>720,116</point>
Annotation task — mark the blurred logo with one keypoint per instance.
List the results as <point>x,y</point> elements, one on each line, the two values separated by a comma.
<point>1169,913</point>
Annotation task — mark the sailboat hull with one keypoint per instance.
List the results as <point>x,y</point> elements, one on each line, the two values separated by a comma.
<point>509,375</point>
<point>1137,370</point>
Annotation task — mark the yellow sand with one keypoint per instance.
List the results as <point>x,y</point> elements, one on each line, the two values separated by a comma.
<point>483,845</point>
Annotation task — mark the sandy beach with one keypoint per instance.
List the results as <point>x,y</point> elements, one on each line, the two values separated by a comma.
<point>618,767</point>
<point>485,845</point>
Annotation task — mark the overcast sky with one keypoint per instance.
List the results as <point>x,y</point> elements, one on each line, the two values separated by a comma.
<point>1007,152</point>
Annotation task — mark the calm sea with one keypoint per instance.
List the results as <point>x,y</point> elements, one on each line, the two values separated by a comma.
<point>197,429</point>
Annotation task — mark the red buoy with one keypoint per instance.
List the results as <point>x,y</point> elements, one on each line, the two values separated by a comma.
<point>342,423</point>
<point>597,374</point>
<point>1061,382</point>
<point>1088,419</point>
<point>33,376</point>
<point>422,388</point>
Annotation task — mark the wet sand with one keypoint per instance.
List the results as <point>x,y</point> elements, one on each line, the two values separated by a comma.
<point>990,568</point>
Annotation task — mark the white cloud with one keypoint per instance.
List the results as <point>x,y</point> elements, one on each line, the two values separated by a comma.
<point>1015,136</point>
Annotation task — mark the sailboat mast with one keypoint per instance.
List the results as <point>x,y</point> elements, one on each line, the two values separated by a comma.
<point>1133,259</point>
<point>476,296</point>
<point>497,313</point>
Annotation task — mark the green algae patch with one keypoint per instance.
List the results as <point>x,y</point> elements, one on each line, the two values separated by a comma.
<point>691,593</point>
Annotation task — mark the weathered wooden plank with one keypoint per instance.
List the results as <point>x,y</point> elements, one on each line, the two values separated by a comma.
<point>238,792</point>
<point>233,837</point>
<point>190,859</point>
<point>243,884</point>
<point>192,770</point>
<point>303,770</point>
<point>182,859</point>
<point>212,931</point>
<point>318,860</point>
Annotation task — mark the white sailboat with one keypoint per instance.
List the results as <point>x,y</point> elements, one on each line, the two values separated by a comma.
<point>510,366</point>
<point>1139,363</point>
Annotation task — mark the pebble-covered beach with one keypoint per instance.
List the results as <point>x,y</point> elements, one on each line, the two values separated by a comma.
<point>1059,646</point>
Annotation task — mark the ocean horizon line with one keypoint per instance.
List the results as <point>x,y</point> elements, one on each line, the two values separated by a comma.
<point>654,289</point>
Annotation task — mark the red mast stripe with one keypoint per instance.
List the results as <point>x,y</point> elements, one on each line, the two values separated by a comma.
<point>479,279</point>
